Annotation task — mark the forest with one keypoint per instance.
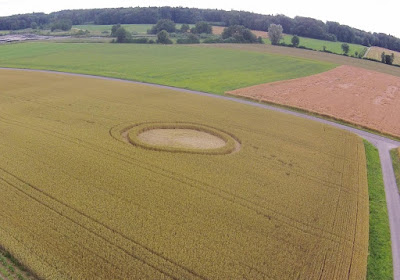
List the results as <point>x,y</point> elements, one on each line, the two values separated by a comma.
<point>301,26</point>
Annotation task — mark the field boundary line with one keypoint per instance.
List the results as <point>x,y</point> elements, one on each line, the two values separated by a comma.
<point>366,53</point>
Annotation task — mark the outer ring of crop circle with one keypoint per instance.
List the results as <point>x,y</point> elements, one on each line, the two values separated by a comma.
<point>131,133</point>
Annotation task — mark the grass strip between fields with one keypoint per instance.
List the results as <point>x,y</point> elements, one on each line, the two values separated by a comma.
<point>395,155</point>
<point>11,268</point>
<point>380,264</point>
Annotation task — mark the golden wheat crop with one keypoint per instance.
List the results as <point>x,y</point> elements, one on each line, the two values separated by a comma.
<point>376,53</point>
<point>76,202</point>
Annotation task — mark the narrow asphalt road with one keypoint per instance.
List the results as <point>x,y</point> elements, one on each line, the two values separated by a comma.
<point>383,144</point>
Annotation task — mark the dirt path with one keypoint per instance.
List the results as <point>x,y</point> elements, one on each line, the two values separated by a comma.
<point>383,144</point>
<point>366,53</point>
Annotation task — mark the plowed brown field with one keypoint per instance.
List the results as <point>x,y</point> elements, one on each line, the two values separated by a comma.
<point>355,95</point>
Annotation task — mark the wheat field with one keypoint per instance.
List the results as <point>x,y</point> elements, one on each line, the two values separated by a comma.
<point>77,201</point>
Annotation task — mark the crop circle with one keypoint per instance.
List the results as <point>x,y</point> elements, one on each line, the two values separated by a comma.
<point>180,137</point>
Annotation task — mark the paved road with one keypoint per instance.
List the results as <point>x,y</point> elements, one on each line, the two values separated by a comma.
<point>383,144</point>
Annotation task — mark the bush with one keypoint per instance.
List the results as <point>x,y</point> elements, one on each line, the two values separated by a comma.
<point>387,58</point>
<point>213,41</point>
<point>114,29</point>
<point>185,28</point>
<point>82,32</point>
<point>191,39</point>
<point>34,25</point>
<point>139,41</point>
<point>345,48</point>
<point>163,37</point>
<point>305,48</point>
<point>202,27</point>
<point>122,35</point>
<point>239,34</point>
<point>163,24</point>
<point>63,25</point>
<point>327,51</point>
<point>295,41</point>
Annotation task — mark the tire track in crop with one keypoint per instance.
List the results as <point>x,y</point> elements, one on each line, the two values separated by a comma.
<point>28,229</point>
<point>99,223</point>
<point>355,227</point>
<point>340,189</point>
<point>40,202</point>
<point>282,239</point>
<point>246,203</point>
<point>116,135</point>
<point>287,220</point>
<point>62,214</point>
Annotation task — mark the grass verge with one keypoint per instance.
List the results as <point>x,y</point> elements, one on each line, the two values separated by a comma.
<point>11,268</point>
<point>395,154</point>
<point>380,264</point>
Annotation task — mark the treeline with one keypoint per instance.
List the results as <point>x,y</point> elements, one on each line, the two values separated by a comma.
<point>301,26</point>
<point>186,35</point>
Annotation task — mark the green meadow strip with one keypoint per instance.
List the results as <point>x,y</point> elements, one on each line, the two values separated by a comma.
<point>380,265</point>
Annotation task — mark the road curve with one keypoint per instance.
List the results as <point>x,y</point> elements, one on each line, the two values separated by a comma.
<point>383,144</point>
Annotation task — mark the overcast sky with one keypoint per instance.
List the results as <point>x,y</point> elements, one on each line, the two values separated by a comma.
<point>359,14</point>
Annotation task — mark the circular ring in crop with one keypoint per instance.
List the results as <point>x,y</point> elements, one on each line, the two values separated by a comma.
<point>180,137</point>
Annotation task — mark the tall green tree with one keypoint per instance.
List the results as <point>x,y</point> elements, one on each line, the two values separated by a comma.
<point>122,35</point>
<point>114,29</point>
<point>62,24</point>
<point>275,32</point>
<point>345,48</point>
<point>202,27</point>
<point>239,34</point>
<point>163,24</point>
<point>163,37</point>
<point>295,41</point>
<point>185,28</point>
<point>387,58</point>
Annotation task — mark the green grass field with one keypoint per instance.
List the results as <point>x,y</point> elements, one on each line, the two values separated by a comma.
<point>308,54</point>
<point>318,45</point>
<point>380,264</point>
<point>395,155</point>
<point>212,70</point>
